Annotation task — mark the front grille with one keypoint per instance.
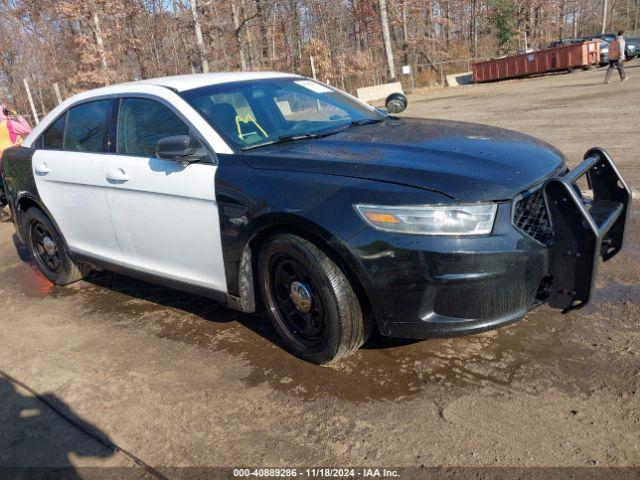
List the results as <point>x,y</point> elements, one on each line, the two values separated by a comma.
<point>530,215</point>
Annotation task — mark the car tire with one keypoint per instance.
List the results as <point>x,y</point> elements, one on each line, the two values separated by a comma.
<point>327,327</point>
<point>48,249</point>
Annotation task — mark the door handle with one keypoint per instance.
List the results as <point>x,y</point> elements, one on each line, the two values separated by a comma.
<point>118,175</point>
<point>42,169</point>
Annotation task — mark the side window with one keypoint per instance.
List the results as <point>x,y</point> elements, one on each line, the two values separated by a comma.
<point>52,138</point>
<point>87,127</point>
<point>142,122</point>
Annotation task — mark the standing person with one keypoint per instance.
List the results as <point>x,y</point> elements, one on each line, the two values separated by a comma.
<point>616,57</point>
<point>12,132</point>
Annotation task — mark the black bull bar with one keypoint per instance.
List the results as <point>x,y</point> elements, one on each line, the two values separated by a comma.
<point>584,229</point>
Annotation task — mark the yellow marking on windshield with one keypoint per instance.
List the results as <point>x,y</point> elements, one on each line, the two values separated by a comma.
<point>246,120</point>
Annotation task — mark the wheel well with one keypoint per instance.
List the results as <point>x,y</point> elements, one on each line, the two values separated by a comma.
<point>251,255</point>
<point>24,204</point>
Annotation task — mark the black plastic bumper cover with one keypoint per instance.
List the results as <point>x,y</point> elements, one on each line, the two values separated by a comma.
<point>449,287</point>
<point>584,230</point>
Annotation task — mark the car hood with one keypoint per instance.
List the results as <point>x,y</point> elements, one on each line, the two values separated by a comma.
<point>465,161</point>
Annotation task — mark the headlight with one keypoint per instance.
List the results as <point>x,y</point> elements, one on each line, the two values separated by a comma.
<point>463,219</point>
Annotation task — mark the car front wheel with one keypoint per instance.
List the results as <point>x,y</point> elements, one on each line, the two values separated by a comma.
<point>48,249</point>
<point>309,300</point>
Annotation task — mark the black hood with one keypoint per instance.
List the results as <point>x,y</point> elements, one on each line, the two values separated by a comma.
<point>465,161</point>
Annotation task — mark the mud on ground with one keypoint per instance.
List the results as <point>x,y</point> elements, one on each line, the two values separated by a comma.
<point>180,381</point>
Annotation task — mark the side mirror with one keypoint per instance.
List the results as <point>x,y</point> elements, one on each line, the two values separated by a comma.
<point>396,103</point>
<point>185,149</point>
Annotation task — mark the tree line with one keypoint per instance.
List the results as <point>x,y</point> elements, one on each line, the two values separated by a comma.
<point>82,44</point>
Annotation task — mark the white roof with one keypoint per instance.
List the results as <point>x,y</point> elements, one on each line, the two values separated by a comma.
<point>188,82</point>
<point>158,87</point>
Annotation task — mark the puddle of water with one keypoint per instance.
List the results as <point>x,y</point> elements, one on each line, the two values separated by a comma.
<point>28,280</point>
<point>546,348</point>
<point>393,370</point>
<point>384,369</point>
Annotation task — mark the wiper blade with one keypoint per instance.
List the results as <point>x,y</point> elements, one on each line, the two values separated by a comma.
<point>366,121</point>
<point>354,123</point>
<point>305,136</point>
<point>283,139</point>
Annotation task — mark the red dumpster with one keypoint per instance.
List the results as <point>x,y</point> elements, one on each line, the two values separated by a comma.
<point>565,57</point>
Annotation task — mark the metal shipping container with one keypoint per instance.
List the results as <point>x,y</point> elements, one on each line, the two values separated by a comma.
<point>565,57</point>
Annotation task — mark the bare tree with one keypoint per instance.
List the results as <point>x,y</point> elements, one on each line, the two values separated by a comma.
<point>98,35</point>
<point>202,51</point>
<point>82,44</point>
<point>237,31</point>
<point>384,20</point>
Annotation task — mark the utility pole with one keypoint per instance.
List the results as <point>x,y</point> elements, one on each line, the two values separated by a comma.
<point>387,39</point>
<point>604,16</point>
<point>199,40</point>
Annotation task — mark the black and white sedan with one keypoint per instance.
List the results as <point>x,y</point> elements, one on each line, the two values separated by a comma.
<point>274,191</point>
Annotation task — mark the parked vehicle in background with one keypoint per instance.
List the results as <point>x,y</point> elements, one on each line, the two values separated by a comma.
<point>631,49</point>
<point>565,41</point>
<point>634,42</point>
<point>604,52</point>
<point>274,191</point>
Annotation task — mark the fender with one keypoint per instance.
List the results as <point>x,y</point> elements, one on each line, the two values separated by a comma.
<point>21,191</point>
<point>16,172</point>
<point>246,287</point>
<point>254,203</point>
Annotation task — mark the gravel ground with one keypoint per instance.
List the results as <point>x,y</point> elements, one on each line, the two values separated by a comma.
<point>179,381</point>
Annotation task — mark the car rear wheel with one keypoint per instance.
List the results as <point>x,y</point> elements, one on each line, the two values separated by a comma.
<point>48,249</point>
<point>309,300</point>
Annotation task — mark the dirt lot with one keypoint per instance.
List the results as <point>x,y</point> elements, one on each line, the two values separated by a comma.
<point>179,381</point>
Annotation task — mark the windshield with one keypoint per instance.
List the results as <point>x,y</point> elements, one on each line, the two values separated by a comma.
<point>252,113</point>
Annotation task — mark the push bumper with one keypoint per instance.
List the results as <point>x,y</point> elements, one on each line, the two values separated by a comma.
<point>423,287</point>
<point>584,229</point>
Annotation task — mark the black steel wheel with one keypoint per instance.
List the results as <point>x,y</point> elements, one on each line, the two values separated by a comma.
<point>297,299</point>
<point>48,248</point>
<point>309,300</point>
<point>3,197</point>
<point>44,250</point>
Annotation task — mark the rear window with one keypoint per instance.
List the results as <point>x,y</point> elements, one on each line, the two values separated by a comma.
<point>87,127</point>
<point>52,139</point>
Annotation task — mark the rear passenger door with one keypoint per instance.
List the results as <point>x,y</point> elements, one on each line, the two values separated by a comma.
<point>165,214</point>
<point>68,170</point>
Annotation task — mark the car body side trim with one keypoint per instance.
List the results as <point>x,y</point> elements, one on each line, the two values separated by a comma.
<point>201,290</point>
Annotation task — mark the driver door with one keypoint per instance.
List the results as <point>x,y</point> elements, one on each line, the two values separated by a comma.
<point>165,215</point>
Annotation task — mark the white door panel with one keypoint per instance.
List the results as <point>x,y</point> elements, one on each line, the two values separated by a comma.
<point>166,218</point>
<point>71,186</point>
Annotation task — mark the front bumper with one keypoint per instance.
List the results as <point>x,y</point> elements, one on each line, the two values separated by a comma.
<point>422,286</point>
